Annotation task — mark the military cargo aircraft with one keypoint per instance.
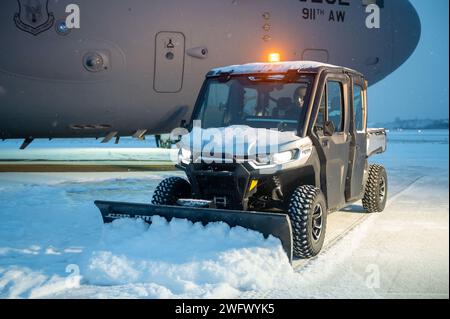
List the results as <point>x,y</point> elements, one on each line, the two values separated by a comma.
<point>135,67</point>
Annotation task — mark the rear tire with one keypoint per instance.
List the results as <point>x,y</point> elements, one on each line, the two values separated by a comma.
<point>170,190</point>
<point>375,195</point>
<point>308,214</point>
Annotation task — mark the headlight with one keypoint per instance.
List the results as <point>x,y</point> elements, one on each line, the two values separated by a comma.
<point>282,158</point>
<point>279,158</point>
<point>184,156</point>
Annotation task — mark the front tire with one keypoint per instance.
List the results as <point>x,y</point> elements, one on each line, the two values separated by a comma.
<point>170,190</point>
<point>308,214</point>
<point>375,195</point>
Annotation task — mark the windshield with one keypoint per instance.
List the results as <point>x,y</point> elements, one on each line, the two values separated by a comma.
<point>255,101</point>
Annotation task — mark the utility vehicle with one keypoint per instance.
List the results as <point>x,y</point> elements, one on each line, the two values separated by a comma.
<point>273,147</point>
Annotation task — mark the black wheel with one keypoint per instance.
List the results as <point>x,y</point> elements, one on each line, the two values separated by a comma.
<point>170,190</point>
<point>308,214</point>
<point>375,195</point>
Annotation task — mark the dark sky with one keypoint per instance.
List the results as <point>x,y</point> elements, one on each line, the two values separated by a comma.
<point>419,88</point>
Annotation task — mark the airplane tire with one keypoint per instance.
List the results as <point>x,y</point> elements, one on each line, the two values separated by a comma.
<point>308,213</point>
<point>375,195</point>
<point>170,190</point>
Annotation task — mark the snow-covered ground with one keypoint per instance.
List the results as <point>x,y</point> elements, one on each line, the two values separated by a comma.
<point>53,243</point>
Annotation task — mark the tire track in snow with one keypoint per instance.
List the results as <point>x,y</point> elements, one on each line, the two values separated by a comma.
<point>299,264</point>
<point>302,264</point>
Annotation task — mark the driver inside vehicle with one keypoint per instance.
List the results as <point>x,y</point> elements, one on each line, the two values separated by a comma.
<point>286,108</point>
<point>299,96</point>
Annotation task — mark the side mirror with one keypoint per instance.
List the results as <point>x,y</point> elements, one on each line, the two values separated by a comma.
<point>329,128</point>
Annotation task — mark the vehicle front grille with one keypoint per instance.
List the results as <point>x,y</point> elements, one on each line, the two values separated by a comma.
<point>213,181</point>
<point>217,185</point>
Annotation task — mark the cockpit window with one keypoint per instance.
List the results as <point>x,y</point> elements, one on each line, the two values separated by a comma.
<point>254,101</point>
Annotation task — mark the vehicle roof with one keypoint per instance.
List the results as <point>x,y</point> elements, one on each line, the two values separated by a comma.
<point>278,67</point>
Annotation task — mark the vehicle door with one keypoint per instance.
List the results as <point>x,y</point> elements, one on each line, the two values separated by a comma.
<point>358,145</point>
<point>332,132</point>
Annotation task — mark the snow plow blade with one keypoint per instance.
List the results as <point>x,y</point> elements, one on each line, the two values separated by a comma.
<point>277,225</point>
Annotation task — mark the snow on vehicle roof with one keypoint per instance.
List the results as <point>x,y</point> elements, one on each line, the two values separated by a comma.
<point>278,67</point>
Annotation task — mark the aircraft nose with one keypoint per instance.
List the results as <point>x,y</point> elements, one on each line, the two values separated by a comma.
<point>406,29</point>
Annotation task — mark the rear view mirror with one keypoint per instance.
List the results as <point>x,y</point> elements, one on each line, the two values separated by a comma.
<point>329,129</point>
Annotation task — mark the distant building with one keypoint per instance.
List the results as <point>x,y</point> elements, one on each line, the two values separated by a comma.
<point>415,124</point>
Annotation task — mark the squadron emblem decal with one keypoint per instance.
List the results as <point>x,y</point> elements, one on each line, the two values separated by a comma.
<point>33,16</point>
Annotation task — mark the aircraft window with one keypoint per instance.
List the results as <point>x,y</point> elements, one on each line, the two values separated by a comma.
<point>359,108</point>
<point>334,100</point>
